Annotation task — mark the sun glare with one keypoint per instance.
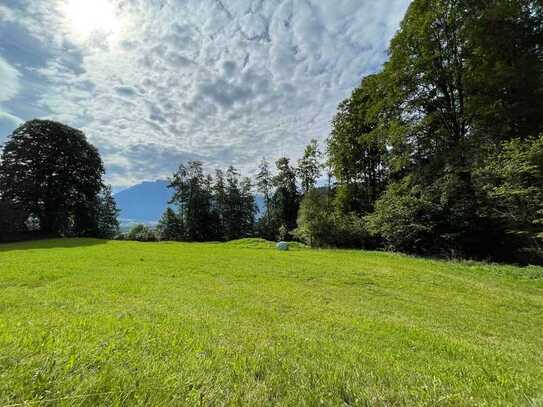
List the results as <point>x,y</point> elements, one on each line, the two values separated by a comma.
<point>89,17</point>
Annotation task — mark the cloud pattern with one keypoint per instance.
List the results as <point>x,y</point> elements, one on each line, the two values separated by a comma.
<point>224,81</point>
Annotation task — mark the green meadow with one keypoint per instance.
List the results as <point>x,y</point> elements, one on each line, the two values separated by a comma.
<point>90,322</point>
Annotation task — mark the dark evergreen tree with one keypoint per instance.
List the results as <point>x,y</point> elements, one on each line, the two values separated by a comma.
<point>233,208</point>
<point>170,227</point>
<point>107,224</point>
<point>248,208</point>
<point>264,183</point>
<point>219,205</point>
<point>286,199</point>
<point>193,196</point>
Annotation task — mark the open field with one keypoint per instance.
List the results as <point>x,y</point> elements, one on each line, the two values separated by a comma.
<point>87,322</point>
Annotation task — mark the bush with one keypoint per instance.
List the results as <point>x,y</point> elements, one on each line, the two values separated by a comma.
<point>142,233</point>
<point>404,221</point>
<point>319,225</point>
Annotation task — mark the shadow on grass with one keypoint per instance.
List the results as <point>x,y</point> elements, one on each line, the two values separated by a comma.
<point>50,243</point>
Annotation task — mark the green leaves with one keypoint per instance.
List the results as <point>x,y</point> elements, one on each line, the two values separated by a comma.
<point>452,113</point>
<point>53,174</point>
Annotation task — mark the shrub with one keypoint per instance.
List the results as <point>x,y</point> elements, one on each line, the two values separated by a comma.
<point>404,221</point>
<point>319,225</point>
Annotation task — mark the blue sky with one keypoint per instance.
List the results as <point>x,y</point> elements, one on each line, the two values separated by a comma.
<point>157,82</point>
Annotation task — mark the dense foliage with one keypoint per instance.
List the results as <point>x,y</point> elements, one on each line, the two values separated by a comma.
<point>440,153</point>
<point>12,221</point>
<point>50,173</point>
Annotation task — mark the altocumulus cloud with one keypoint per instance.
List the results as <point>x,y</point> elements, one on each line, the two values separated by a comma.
<point>226,82</point>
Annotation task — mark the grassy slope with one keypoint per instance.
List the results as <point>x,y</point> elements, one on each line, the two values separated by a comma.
<point>87,322</point>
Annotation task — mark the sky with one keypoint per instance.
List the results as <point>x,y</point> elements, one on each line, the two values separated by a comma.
<point>154,83</point>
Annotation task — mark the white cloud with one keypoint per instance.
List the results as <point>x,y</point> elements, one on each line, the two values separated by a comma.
<point>6,14</point>
<point>224,81</point>
<point>9,81</point>
<point>8,123</point>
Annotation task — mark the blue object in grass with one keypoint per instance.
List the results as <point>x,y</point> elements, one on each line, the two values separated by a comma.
<point>282,246</point>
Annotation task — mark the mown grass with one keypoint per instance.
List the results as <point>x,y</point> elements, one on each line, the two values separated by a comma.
<point>86,322</point>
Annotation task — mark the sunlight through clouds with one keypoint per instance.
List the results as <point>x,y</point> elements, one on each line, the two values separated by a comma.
<point>228,82</point>
<point>88,18</point>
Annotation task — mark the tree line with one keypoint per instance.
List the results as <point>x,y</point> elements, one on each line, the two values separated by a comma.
<point>222,206</point>
<point>209,208</point>
<point>440,153</point>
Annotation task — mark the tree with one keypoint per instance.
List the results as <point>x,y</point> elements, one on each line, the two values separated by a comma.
<point>219,205</point>
<point>193,196</point>
<point>264,183</point>
<point>233,207</point>
<point>52,173</point>
<point>315,220</point>
<point>170,226</point>
<point>107,225</point>
<point>462,77</point>
<point>309,167</point>
<point>286,199</point>
<point>357,148</point>
<point>248,208</point>
<point>504,69</point>
<point>319,225</point>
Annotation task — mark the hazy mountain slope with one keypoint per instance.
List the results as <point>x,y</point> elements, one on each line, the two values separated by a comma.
<point>145,202</point>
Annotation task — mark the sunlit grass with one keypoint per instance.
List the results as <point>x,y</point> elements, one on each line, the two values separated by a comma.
<point>86,322</point>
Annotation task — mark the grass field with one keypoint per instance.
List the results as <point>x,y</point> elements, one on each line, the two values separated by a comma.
<point>87,322</point>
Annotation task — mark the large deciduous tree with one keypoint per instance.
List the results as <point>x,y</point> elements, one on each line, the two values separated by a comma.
<point>357,148</point>
<point>51,171</point>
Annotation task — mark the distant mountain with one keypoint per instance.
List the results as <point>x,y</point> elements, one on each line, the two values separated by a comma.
<point>146,202</point>
<point>143,203</point>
